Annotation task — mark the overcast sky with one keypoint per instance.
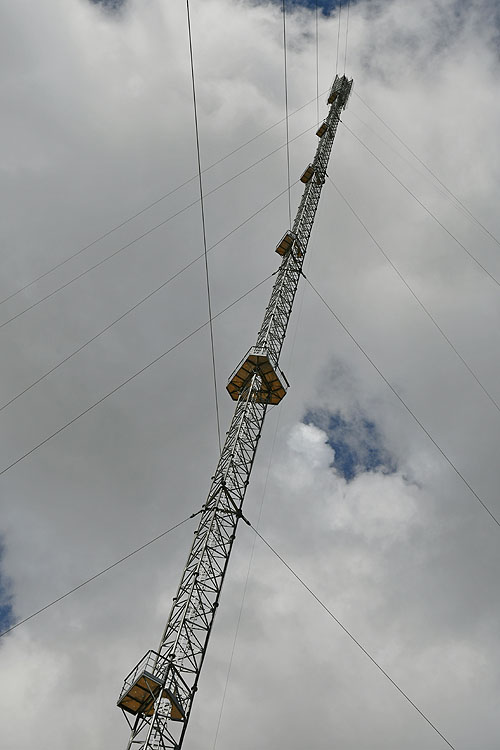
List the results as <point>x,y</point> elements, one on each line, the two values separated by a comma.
<point>97,124</point>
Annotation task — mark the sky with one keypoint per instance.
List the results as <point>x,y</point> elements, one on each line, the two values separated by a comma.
<point>347,485</point>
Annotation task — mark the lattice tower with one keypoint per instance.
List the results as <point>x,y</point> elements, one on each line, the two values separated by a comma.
<point>160,690</point>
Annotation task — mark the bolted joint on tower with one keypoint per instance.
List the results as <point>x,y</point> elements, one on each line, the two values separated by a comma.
<point>159,692</point>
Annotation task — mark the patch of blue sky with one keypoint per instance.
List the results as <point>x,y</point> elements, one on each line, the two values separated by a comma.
<point>110,4</point>
<point>357,443</point>
<point>325,6</point>
<point>6,612</point>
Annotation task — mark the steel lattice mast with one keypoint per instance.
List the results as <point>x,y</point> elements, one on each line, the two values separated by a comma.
<point>159,691</point>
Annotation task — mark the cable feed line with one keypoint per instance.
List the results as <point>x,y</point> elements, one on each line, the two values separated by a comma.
<point>346,33</point>
<point>417,299</point>
<point>460,203</point>
<point>411,163</point>
<point>422,205</point>
<point>203,225</point>
<point>352,637</point>
<point>140,302</point>
<point>148,232</point>
<point>405,405</point>
<point>152,204</point>
<point>98,575</point>
<point>129,379</point>
<point>317,64</point>
<point>338,38</point>
<point>285,71</point>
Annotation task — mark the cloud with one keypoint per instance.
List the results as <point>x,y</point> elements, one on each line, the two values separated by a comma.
<point>98,124</point>
<point>6,614</point>
<point>112,5</point>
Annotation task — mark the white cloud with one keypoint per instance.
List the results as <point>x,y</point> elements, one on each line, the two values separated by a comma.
<point>98,123</point>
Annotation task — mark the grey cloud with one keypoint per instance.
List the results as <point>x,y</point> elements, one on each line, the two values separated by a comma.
<point>98,124</point>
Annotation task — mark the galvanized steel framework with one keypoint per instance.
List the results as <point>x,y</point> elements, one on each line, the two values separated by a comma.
<point>159,692</point>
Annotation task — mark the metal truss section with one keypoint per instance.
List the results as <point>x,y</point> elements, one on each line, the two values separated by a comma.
<point>185,639</point>
<point>160,690</point>
<point>272,333</point>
